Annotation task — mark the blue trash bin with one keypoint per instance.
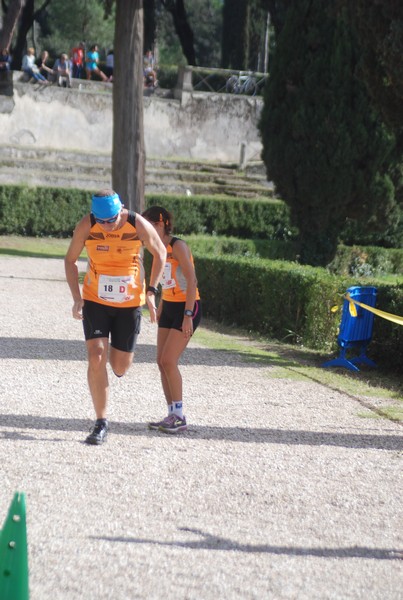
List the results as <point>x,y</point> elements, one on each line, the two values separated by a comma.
<point>355,329</point>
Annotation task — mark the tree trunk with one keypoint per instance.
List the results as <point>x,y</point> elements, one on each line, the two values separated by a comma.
<point>182,28</point>
<point>28,16</point>
<point>10,21</point>
<point>128,155</point>
<point>25,24</point>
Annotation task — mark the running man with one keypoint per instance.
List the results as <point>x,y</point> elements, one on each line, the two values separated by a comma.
<point>113,291</point>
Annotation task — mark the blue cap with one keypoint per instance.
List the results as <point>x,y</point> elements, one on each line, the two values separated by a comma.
<point>105,207</point>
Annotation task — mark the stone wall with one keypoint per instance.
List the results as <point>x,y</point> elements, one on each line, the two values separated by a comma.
<point>198,125</point>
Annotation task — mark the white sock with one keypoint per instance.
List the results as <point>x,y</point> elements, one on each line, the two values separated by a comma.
<point>170,409</point>
<point>178,409</point>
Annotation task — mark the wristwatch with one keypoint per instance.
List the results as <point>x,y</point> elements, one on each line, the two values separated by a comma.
<point>188,313</point>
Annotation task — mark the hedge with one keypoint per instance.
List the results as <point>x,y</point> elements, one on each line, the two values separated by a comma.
<point>243,218</point>
<point>356,261</point>
<point>276,298</point>
<point>292,303</point>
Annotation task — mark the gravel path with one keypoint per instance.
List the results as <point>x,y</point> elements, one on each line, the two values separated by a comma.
<point>279,490</point>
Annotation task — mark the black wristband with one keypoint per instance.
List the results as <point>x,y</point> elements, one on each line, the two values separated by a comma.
<point>152,289</point>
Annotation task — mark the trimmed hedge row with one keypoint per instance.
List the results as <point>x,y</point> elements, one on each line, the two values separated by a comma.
<point>293,303</point>
<point>276,298</point>
<point>367,261</point>
<point>356,261</point>
<point>39,211</point>
<point>55,211</point>
<point>243,218</point>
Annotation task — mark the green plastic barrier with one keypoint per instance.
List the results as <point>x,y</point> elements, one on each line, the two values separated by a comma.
<point>14,552</point>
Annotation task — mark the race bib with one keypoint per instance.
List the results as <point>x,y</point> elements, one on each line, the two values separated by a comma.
<point>115,288</point>
<point>167,282</point>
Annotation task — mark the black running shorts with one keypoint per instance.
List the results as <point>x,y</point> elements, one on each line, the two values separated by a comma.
<point>122,324</point>
<point>172,315</point>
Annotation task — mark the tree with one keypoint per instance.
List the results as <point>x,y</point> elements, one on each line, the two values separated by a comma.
<point>74,21</point>
<point>182,27</point>
<point>324,146</point>
<point>10,21</point>
<point>27,18</point>
<point>128,155</point>
<point>205,20</point>
<point>150,26</point>
<point>244,26</point>
<point>379,27</point>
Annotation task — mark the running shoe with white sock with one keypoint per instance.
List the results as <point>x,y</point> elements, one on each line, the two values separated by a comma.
<point>157,424</point>
<point>173,424</point>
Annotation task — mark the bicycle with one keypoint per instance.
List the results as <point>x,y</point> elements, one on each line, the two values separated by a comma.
<point>241,84</point>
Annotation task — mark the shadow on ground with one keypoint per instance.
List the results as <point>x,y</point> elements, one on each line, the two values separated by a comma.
<point>260,435</point>
<point>212,542</point>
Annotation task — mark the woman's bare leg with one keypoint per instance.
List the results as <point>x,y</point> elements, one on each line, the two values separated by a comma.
<point>170,349</point>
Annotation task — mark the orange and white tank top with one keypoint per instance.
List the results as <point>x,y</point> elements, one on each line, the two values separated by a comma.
<point>173,282</point>
<point>115,274</point>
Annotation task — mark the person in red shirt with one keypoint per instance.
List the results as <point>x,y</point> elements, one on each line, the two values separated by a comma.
<point>77,59</point>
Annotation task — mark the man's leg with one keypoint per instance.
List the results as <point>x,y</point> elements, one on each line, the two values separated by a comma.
<point>120,361</point>
<point>97,351</point>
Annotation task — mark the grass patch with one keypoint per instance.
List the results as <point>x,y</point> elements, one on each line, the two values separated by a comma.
<point>298,364</point>
<point>394,413</point>
<point>44,247</point>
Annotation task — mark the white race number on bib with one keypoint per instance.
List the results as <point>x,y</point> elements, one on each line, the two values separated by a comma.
<point>114,288</point>
<point>167,282</point>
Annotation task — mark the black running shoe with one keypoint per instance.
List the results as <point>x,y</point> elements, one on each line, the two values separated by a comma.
<point>99,433</point>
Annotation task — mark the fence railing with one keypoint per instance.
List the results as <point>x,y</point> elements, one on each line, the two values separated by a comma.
<point>222,80</point>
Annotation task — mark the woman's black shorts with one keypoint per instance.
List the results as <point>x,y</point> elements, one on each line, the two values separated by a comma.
<point>172,315</point>
<point>123,324</point>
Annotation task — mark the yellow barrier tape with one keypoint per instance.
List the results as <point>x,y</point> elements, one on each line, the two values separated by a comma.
<point>380,313</point>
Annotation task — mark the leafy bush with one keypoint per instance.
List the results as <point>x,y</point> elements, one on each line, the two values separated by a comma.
<point>264,219</point>
<point>367,261</point>
<point>41,211</point>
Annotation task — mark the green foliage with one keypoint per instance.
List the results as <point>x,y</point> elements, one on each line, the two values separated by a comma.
<point>379,27</point>
<point>325,148</point>
<point>41,211</point>
<point>274,297</point>
<point>292,303</point>
<point>75,21</point>
<point>205,19</point>
<point>219,245</point>
<point>167,76</point>
<point>368,261</point>
<point>244,27</point>
<point>226,216</point>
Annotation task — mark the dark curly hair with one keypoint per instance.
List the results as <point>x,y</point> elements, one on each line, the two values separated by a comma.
<point>156,214</point>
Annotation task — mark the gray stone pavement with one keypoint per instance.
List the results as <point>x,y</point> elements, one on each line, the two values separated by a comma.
<point>279,490</point>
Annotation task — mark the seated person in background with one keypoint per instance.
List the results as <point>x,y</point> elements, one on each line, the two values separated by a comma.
<point>44,69</point>
<point>150,74</point>
<point>109,64</point>
<point>62,70</point>
<point>30,68</point>
<point>5,60</point>
<point>91,64</point>
<point>77,58</point>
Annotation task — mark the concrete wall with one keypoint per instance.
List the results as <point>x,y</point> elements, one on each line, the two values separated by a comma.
<point>198,126</point>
